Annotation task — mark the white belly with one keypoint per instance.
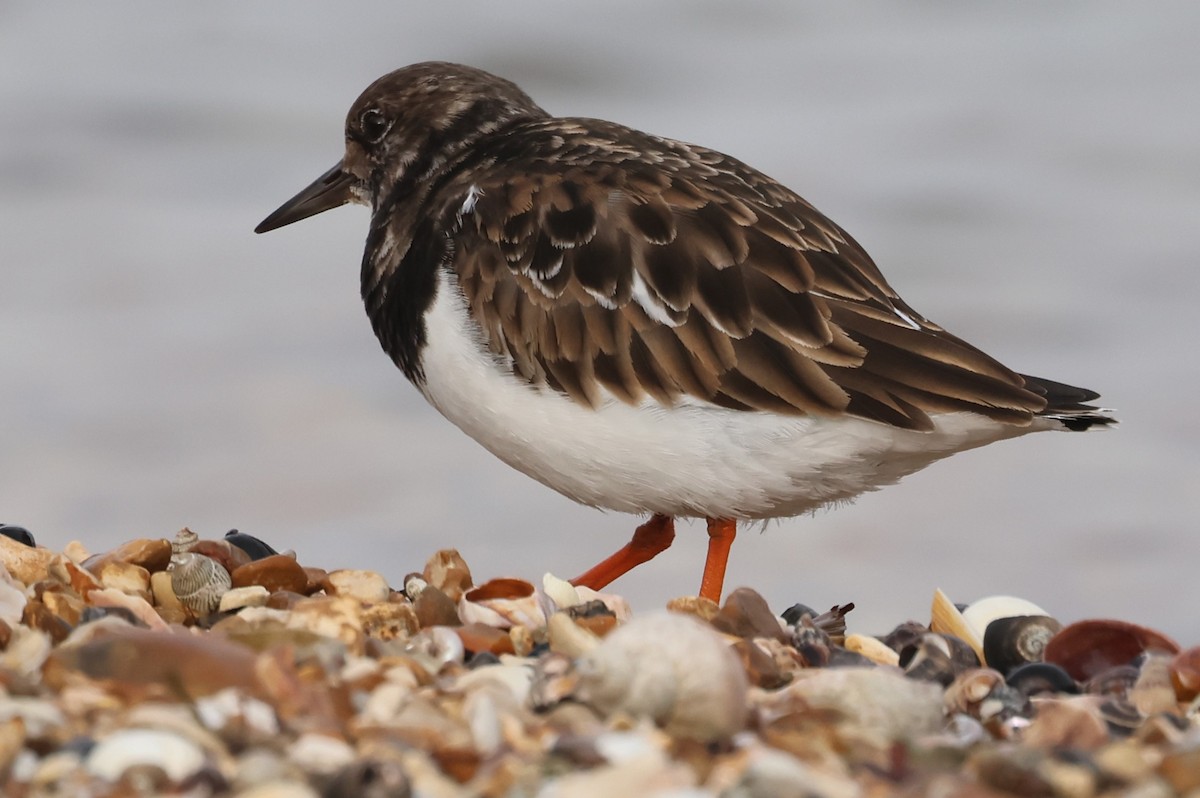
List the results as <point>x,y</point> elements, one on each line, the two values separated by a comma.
<point>693,459</point>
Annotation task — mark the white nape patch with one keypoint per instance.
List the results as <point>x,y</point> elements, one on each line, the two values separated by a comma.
<point>649,303</point>
<point>468,205</point>
<point>693,459</point>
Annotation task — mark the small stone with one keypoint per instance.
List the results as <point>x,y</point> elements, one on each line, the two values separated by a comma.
<point>672,669</point>
<point>254,547</point>
<point>125,577</point>
<point>448,572</point>
<point>365,586</point>
<point>224,552</point>
<point>152,554</point>
<point>1067,723</point>
<point>26,564</point>
<point>136,658</point>
<point>746,614</point>
<point>239,597</point>
<point>390,620</point>
<point>277,572</point>
<point>435,608</point>
<point>329,616</point>
<point>697,606</point>
<point>480,637</point>
<point>1181,768</point>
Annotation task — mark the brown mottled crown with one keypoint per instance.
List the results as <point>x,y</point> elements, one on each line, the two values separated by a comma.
<point>601,261</point>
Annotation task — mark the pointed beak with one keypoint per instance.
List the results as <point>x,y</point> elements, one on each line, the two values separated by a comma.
<point>330,190</point>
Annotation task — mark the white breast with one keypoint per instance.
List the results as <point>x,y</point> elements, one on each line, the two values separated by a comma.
<point>692,459</point>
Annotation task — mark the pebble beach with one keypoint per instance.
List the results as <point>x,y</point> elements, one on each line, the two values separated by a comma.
<point>217,666</point>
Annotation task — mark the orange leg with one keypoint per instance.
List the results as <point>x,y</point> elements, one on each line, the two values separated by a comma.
<point>651,538</point>
<point>721,532</point>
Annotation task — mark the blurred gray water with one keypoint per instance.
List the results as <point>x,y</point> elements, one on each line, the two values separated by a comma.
<point>1026,175</point>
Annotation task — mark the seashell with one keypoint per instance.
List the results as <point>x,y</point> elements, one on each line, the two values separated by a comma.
<point>764,661</point>
<point>873,649</point>
<point>12,598</point>
<point>198,582</point>
<point>436,647</point>
<point>1074,724</point>
<point>1185,674</point>
<point>1087,648</point>
<point>277,572</point>
<point>184,540</point>
<point>947,619</point>
<point>320,754</point>
<point>1038,678</point>
<point>876,704</point>
<point>237,716</point>
<point>567,637</point>
<point>1115,682</point>
<point>981,612</point>
<point>254,547</point>
<point>448,572</point>
<point>937,658</point>
<point>904,635</point>
<point>983,694</point>
<point>746,614</point>
<point>792,615</point>
<point>813,646</point>
<point>177,757</point>
<point>365,586</point>
<point>767,773</point>
<point>18,533</point>
<point>670,668</point>
<point>503,603</point>
<point>560,591</point>
<point>1016,640</point>
<point>365,776</point>
<point>1153,692</point>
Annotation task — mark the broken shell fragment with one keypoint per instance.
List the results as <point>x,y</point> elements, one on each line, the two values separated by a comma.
<point>1087,648</point>
<point>503,603</point>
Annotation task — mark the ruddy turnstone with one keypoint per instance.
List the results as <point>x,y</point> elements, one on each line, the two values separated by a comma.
<point>646,325</point>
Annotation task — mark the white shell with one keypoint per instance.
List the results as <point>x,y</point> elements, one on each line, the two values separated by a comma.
<point>985,610</point>
<point>670,668</point>
<point>121,750</point>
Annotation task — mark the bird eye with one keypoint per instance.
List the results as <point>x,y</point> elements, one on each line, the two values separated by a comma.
<point>373,124</point>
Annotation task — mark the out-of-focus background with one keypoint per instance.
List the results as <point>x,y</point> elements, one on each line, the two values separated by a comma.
<point>1026,175</point>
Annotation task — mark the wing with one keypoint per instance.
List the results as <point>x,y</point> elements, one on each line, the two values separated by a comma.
<point>663,270</point>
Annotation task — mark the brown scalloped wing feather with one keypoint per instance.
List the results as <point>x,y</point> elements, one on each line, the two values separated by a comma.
<point>665,270</point>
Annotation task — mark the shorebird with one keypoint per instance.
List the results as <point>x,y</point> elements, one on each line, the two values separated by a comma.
<point>646,325</point>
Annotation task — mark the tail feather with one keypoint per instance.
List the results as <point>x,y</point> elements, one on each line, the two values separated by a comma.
<point>1066,404</point>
